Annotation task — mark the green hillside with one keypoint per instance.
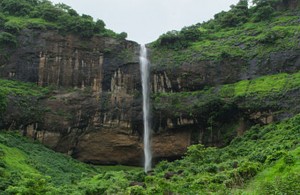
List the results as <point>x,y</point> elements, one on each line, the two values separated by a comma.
<point>263,161</point>
<point>243,32</point>
<point>44,15</point>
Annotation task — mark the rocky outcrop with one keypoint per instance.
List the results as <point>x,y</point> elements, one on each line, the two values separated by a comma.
<point>93,112</point>
<point>197,75</point>
<point>288,4</point>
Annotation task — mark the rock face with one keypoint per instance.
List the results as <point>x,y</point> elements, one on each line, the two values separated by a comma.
<point>197,75</point>
<point>94,109</point>
<point>95,113</point>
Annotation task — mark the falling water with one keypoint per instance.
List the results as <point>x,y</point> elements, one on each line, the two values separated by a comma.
<point>144,64</point>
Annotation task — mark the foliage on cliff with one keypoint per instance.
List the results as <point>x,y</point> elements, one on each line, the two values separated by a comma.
<point>24,93</point>
<point>243,32</point>
<point>190,103</point>
<point>265,160</point>
<point>42,14</point>
<point>214,108</point>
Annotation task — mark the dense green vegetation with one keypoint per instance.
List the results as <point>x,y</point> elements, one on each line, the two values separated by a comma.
<point>214,103</point>
<point>42,14</point>
<point>242,33</point>
<point>27,167</point>
<point>263,161</point>
<point>267,156</point>
<point>24,91</point>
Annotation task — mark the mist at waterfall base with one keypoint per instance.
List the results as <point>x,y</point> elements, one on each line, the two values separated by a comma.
<point>145,74</point>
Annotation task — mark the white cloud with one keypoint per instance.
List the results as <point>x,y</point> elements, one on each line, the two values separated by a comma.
<point>145,20</point>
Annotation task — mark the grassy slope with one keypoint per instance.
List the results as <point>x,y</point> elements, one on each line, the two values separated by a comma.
<point>265,156</point>
<point>19,89</point>
<point>190,103</point>
<point>249,40</point>
<point>263,161</point>
<point>28,167</point>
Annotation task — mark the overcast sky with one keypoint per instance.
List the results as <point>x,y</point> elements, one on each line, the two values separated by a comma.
<point>146,20</point>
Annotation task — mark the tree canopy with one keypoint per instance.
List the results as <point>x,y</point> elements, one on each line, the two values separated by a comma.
<point>60,16</point>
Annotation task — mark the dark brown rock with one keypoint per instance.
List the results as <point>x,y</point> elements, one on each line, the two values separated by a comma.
<point>95,113</point>
<point>135,183</point>
<point>169,175</point>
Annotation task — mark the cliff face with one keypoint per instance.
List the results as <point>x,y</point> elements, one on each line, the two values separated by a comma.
<point>94,110</point>
<point>193,96</point>
<point>196,75</point>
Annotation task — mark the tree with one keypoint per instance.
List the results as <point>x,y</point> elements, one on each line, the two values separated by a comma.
<point>99,26</point>
<point>2,20</point>
<point>67,9</point>
<point>50,13</point>
<point>122,36</point>
<point>12,27</point>
<point>191,33</point>
<point>7,39</point>
<point>264,9</point>
<point>238,15</point>
<point>13,7</point>
<point>84,27</point>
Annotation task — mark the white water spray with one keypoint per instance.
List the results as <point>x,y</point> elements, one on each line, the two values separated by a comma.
<point>145,72</point>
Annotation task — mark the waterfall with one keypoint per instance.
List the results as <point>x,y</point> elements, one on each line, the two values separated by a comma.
<point>145,72</point>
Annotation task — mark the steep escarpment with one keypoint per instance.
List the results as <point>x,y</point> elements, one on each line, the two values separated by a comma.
<point>210,82</point>
<point>90,101</point>
<point>93,108</point>
<point>221,77</point>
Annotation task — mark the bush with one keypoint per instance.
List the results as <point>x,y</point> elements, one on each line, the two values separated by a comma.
<point>84,27</point>
<point>282,185</point>
<point>248,170</point>
<point>2,104</point>
<point>18,8</point>
<point>7,39</point>
<point>276,156</point>
<point>289,159</point>
<point>12,27</point>
<point>180,39</point>
<point>122,36</point>
<point>236,16</point>
<point>3,20</point>
<point>263,11</point>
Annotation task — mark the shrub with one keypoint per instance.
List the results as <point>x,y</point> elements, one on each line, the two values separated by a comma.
<point>7,39</point>
<point>3,20</point>
<point>122,36</point>
<point>282,185</point>
<point>136,190</point>
<point>263,11</point>
<point>2,104</point>
<point>12,27</point>
<point>289,159</point>
<point>248,169</point>
<point>18,8</point>
<point>275,156</point>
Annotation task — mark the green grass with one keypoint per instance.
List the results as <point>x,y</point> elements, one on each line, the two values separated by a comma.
<point>262,87</point>
<point>25,22</point>
<point>252,39</point>
<point>280,169</point>
<point>38,169</point>
<point>240,168</point>
<point>21,90</point>
<point>18,88</point>
<point>250,164</point>
<point>15,159</point>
